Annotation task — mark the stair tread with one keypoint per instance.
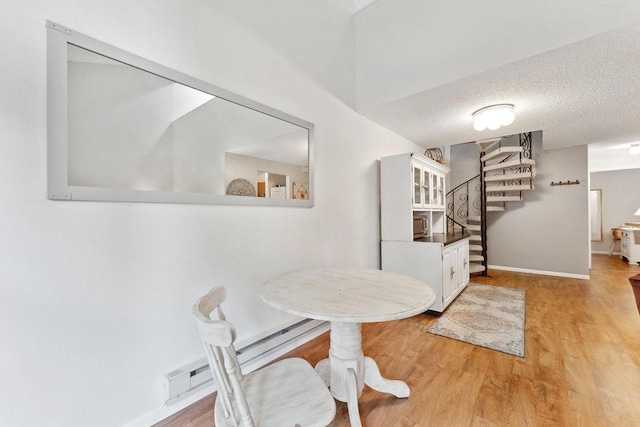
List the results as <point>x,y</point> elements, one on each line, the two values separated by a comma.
<point>510,187</point>
<point>475,238</point>
<point>504,198</point>
<point>473,227</point>
<point>502,151</point>
<point>485,144</point>
<point>476,258</point>
<point>495,209</point>
<point>510,176</point>
<point>510,164</point>
<point>476,268</point>
<point>474,218</point>
<point>475,247</point>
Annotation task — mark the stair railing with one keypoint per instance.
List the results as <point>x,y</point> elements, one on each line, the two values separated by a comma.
<point>525,141</point>
<point>483,212</point>
<point>458,207</point>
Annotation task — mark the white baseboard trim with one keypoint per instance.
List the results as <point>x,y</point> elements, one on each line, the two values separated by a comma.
<point>605,253</point>
<point>269,355</point>
<point>541,272</point>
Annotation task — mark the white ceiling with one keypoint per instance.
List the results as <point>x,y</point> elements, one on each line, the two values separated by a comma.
<point>583,93</point>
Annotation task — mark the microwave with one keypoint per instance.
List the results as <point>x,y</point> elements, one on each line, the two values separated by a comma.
<point>420,226</point>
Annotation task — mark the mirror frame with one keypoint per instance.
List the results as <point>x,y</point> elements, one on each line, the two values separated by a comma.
<point>58,37</point>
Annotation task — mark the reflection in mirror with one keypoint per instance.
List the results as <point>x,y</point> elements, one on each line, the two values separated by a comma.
<point>134,130</point>
<point>131,132</point>
<point>595,203</point>
<point>274,185</point>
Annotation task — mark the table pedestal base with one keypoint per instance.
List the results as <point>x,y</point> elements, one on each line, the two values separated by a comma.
<point>346,371</point>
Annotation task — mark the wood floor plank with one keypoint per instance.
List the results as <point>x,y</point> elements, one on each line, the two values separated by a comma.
<point>581,365</point>
<point>495,400</point>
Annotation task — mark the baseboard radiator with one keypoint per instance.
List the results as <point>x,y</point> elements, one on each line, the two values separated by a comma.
<point>196,375</point>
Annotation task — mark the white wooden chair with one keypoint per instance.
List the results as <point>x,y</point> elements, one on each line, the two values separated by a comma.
<point>287,393</point>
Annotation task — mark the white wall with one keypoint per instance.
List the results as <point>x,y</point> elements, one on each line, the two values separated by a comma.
<point>466,164</point>
<point>549,230</point>
<point>408,46</point>
<point>96,297</point>
<point>620,200</point>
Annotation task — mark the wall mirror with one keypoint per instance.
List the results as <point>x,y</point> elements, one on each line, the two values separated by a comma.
<point>122,128</point>
<point>595,203</point>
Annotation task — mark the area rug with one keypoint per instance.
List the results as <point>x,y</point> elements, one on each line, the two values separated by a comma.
<point>487,316</point>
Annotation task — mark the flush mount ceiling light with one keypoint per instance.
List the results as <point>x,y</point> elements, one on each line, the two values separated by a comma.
<point>493,116</point>
<point>634,149</point>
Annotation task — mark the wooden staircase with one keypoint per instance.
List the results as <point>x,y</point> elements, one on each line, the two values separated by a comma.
<point>506,172</point>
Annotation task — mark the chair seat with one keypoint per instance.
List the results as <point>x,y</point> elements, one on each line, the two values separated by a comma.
<point>285,394</point>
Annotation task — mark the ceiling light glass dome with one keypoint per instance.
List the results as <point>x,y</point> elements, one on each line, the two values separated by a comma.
<point>493,117</point>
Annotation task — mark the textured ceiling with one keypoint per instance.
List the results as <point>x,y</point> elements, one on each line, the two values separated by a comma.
<point>582,93</point>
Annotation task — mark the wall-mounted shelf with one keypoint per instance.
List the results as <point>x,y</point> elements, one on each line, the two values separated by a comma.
<point>565,183</point>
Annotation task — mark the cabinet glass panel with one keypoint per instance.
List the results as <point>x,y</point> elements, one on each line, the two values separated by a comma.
<point>417,174</point>
<point>436,201</point>
<point>441,190</point>
<point>426,181</point>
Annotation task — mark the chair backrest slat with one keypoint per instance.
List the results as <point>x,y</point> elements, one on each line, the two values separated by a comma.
<point>232,368</point>
<point>218,336</point>
<point>225,391</point>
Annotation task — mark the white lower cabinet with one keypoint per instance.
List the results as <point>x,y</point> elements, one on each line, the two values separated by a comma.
<point>445,268</point>
<point>455,262</point>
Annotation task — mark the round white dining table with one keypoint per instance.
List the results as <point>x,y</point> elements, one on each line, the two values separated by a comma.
<point>347,298</point>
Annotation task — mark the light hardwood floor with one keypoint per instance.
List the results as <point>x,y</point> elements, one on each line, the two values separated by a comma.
<point>581,368</point>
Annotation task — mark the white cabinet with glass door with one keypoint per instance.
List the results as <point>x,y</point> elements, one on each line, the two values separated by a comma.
<point>422,188</point>
<point>437,184</point>
<point>412,185</point>
<point>412,192</point>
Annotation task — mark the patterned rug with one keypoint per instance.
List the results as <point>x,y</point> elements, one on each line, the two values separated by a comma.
<point>488,316</point>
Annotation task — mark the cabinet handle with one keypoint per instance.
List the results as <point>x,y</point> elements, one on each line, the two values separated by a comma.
<point>452,272</point>
<point>465,263</point>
